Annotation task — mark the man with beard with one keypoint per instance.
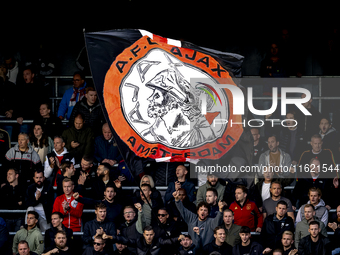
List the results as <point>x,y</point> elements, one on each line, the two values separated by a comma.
<point>60,245</point>
<point>201,219</point>
<point>211,198</point>
<point>212,182</point>
<point>104,177</point>
<point>86,168</point>
<point>245,211</point>
<point>175,108</point>
<point>57,225</point>
<point>269,205</point>
<point>276,159</point>
<point>315,243</point>
<point>39,198</point>
<point>121,250</point>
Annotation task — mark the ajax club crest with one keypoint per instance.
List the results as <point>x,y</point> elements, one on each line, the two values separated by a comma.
<point>162,101</point>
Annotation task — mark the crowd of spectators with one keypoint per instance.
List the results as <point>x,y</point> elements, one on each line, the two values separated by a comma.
<point>57,171</point>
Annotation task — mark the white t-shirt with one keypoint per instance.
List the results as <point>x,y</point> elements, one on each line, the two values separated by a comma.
<point>39,207</point>
<point>265,191</point>
<point>12,74</point>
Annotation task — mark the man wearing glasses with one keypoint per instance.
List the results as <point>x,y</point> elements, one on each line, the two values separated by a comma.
<point>165,227</point>
<point>134,224</point>
<point>97,248</point>
<point>72,96</point>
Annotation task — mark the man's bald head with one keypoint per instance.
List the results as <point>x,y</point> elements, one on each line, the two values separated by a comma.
<point>106,131</point>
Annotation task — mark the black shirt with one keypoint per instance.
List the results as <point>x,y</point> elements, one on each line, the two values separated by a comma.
<point>68,252</point>
<point>315,246</point>
<point>245,250</point>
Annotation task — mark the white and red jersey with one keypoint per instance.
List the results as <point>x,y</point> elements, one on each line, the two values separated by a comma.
<point>72,218</point>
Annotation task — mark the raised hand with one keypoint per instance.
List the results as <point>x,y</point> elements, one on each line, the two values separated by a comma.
<point>121,178</point>
<point>196,230</point>
<point>100,231</point>
<point>176,195</point>
<point>118,183</point>
<point>333,225</point>
<point>74,144</point>
<point>138,206</point>
<point>37,195</point>
<point>52,160</point>
<point>181,237</point>
<point>76,195</point>
<point>221,204</point>
<point>82,178</point>
<point>177,185</point>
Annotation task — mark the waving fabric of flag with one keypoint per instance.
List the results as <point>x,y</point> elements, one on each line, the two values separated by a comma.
<point>162,97</point>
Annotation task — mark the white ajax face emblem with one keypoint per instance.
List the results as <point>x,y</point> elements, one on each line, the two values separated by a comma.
<point>162,100</point>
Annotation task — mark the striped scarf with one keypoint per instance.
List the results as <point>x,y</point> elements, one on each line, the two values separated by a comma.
<point>73,99</point>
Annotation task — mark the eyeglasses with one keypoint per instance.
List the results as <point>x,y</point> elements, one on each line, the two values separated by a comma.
<point>162,215</point>
<point>75,80</point>
<point>94,243</point>
<point>128,212</point>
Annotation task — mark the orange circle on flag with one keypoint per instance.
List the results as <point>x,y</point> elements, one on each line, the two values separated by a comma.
<point>165,101</point>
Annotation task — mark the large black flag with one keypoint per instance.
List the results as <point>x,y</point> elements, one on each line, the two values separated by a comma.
<point>161,97</point>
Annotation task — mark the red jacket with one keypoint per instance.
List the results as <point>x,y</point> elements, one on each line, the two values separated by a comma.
<point>245,215</point>
<point>72,218</point>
